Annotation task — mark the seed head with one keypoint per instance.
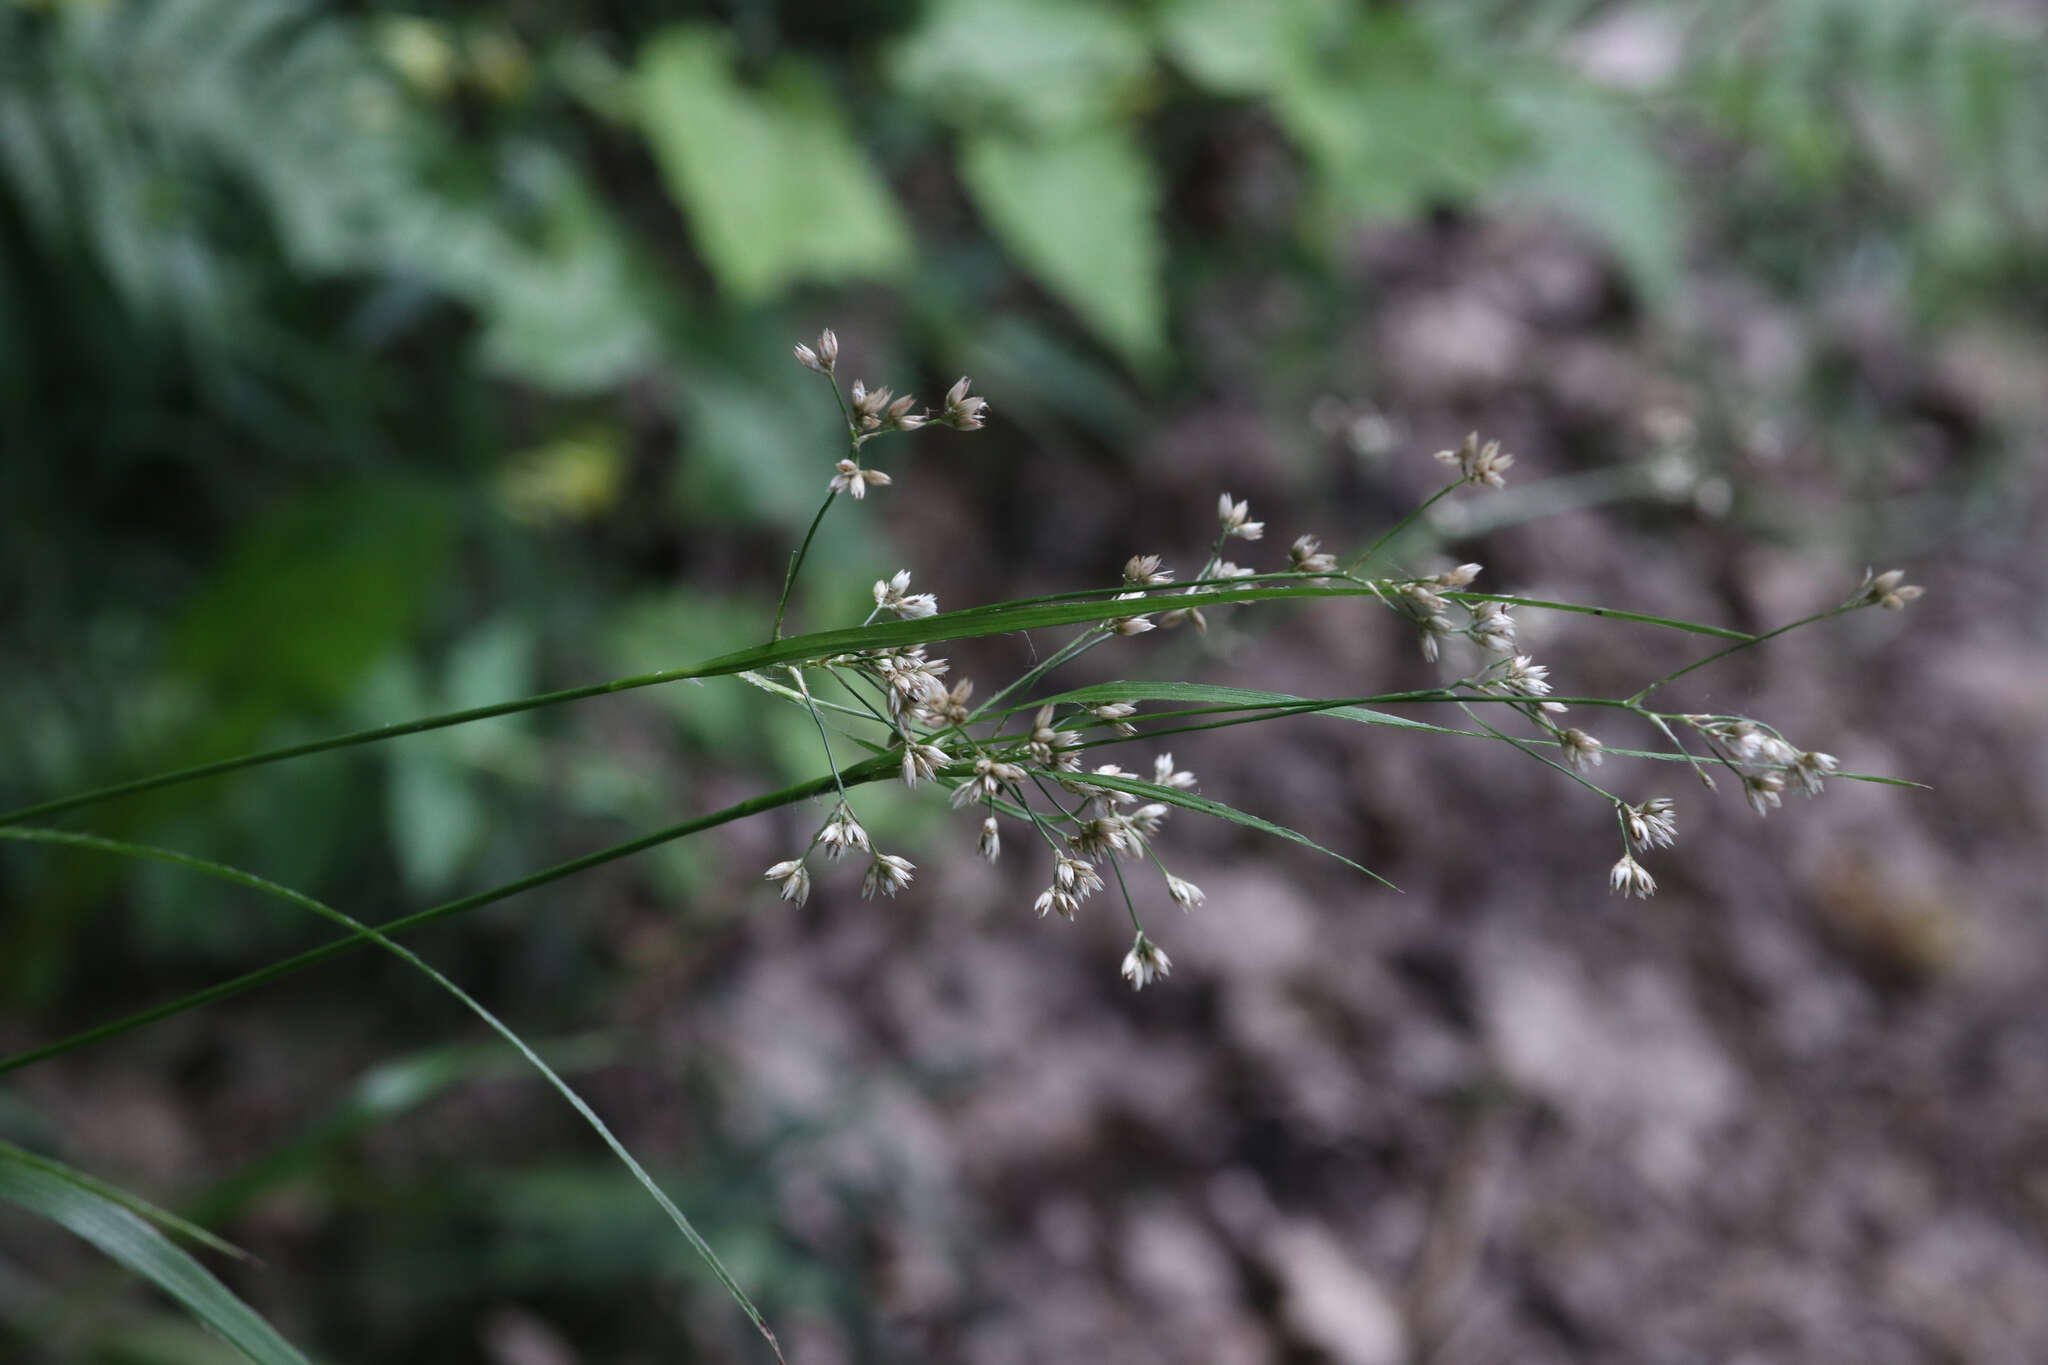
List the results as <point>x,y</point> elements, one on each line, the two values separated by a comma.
<point>964,411</point>
<point>892,595</point>
<point>851,478</point>
<point>1492,627</point>
<point>1652,824</point>
<point>842,832</point>
<point>1631,878</point>
<point>1888,590</point>
<point>1306,555</point>
<point>1810,768</point>
<point>1164,775</point>
<point>1144,571</point>
<point>1763,791</point>
<point>1478,464</point>
<point>921,762</point>
<point>1185,893</point>
<point>795,879</point>
<point>991,845</point>
<point>1234,518</point>
<point>1580,749</point>
<point>1146,962</point>
<point>887,874</point>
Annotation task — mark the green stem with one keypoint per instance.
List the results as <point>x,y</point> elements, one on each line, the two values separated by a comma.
<point>796,560</point>
<point>1403,524</point>
<point>868,771</point>
<point>823,738</point>
<point>1736,648</point>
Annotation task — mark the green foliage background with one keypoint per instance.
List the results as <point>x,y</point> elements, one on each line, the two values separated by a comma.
<point>358,362</point>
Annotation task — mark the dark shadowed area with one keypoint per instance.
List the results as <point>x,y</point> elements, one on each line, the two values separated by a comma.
<point>359,364</point>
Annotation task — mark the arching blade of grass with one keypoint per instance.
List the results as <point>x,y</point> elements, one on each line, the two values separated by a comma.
<point>84,1206</point>
<point>253,882</point>
<point>1226,699</point>
<point>997,619</point>
<point>1189,801</point>
<point>869,770</point>
<point>135,1204</point>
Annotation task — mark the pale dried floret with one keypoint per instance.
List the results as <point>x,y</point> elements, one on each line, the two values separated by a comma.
<point>1235,519</point>
<point>842,833</point>
<point>795,879</point>
<point>1116,715</point>
<point>921,762</point>
<point>1631,878</point>
<point>1524,677</point>
<point>1144,822</point>
<point>1165,775</point>
<point>1653,824</point>
<point>1184,893</point>
<point>1130,625</point>
<point>1307,555</point>
<point>1048,742</point>
<point>887,874</point>
<point>1146,571</point>
<point>963,411</point>
<point>893,594</point>
<point>1455,579</point>
<point>1493,627</point>
<point>1810,768</point>
<point>1054,899</point>
<point>1478,464</point>
<point>1754,744</point>
<point>1580,749</point>
<point>991,845</point>
<point>1889,590</point>
<point>808,358</point>
<point>1763,791</point>
<point>1145,963</point>
<point>1433,628</point>
<point>1076,876</point>
<point>852,479</point>
<point>990,776</point>
<point>1104,836</point>
<point>828,349</point>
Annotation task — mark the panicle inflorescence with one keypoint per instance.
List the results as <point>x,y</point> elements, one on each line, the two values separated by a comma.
<point>1024,763</point>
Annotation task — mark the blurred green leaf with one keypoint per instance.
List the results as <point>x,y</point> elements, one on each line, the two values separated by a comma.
<point>771,178</point>
<point>1594,164</point>
<point>51,1191</point>
<point>312,597</point>
<point>1237,49</point>
<point>1080,213</point>
<point>1048,65</point>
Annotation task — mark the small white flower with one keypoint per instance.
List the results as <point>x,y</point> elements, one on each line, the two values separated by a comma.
<point>893,594</point>
<point>1763,791</point>
<point>1581,750</point>
<point>991,845</point>
<point>1164,774</point>
<point>842,833</point>
<point>887,874</point>
<point>1185,893</point>
<point>1631,878</point>
<point>1076,876</point>
<point>808,358</point>
<point>1888,590</point>
<point>1306,555</point>
<point>1116,715</point>
<point>1492,627</point>
<point>964,411</point>
<point>1048,742</point>
<point>1052,898</point>
<point>1145,571</point>
<point>851,478</point>
<point>1433,628</point>
<point>1130,625</point>
<point>1810,768</point>
<point>828,348</point>
<point>1478,464</point>
<point>1233,516</point>
<point>1524,677</point>
<point>1652,824</point>
<point>1457,578</point>
<point>1146,962</point>
<point>795,879</point>
<point>921,762</point>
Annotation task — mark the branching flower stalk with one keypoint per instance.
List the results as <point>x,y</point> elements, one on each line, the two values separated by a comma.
<point>916,723</point>
<point>944,739</point>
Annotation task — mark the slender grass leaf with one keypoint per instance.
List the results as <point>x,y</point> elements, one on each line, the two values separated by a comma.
<point>81,1207</point>
<point>135,1204</point>
<point>251,881</point>
<point>1202,804</point>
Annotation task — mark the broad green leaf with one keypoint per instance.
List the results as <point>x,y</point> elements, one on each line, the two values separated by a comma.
<point>1051,65</point>
<point>1080,213</point>
<point>80,1207</point>
<point>1234,48</point>
<point>773,182</point>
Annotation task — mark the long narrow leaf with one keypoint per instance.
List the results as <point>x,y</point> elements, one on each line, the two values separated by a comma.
<point>239,877</point>
<point>1189,801</point>
<point>974,622</point>
<point>135,1204</point>
<point>80,1206</point>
